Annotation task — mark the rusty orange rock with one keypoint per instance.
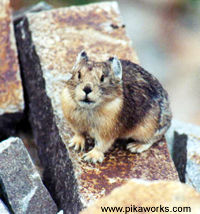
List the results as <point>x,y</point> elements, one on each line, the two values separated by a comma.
<point>157,197</point>
<point>11,93</point>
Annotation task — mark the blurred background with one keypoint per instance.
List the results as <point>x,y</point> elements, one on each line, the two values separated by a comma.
<point>166,37</point>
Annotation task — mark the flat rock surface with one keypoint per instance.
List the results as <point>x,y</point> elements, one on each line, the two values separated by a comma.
<point>11,93</point>
<point>20,181</point>
<point>98,29</point>
<point>158,197</point>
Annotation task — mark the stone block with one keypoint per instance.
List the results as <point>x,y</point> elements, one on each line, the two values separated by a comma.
<point>48,44</point>
<point>20,182</point>
<point>189,155</point>
<point>11,92</point>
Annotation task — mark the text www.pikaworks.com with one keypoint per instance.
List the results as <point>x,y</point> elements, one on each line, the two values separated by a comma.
<point>138,209</point>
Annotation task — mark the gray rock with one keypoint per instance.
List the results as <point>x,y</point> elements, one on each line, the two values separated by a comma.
<point>3,208</point>
<point>179,154</point>
<point>192,172</point>
<point>20,181</point>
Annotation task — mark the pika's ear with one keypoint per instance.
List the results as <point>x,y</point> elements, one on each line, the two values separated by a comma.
<point>116,67</point>
<point>81,58</point>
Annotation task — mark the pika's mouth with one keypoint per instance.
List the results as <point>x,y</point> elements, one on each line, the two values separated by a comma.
<point>87,101</point>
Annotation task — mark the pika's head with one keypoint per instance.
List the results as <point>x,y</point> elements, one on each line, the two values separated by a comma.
<point>95,83</point>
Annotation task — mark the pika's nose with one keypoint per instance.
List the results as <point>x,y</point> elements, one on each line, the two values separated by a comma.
<point>87,89</point>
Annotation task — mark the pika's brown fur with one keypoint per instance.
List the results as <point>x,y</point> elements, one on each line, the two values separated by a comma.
<point>114,99</point>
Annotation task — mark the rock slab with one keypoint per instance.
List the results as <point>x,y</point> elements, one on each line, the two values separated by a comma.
<point>20,182</point>
<point>191,158</point>
<point>11,92</point>
<point>98,29</point>
<point>180,154</point>
<point>149,197</point>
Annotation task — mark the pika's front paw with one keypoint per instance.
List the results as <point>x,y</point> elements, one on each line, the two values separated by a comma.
<point>78,142</point>
<point>94,156</point>
<point>138,148</point>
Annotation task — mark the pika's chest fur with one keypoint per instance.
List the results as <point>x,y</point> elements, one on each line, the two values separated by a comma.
<point>84,119</point>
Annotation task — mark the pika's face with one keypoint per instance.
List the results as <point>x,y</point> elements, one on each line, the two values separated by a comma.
<point>95,83</point>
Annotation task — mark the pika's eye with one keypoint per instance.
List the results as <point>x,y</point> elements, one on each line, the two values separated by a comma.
<point>102,78</point>
<point>79,75</point>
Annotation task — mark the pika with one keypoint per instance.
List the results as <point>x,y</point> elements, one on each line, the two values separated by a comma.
<point>114,99</point>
